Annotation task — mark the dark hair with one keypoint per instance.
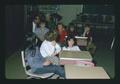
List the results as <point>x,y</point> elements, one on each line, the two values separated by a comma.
<point>59,24</point>
<point>34,16</point>
<point>51,36</point>
<point>87,25</point>
<point>68,39</point>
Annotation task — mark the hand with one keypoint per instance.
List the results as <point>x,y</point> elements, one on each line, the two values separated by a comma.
<point>46,63</point>
<point>54,54</point>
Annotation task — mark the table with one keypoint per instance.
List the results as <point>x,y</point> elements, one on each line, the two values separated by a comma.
<point>73,57</point>
<point>77,72</point>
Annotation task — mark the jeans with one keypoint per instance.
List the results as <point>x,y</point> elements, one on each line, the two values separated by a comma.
<point>51,69</point>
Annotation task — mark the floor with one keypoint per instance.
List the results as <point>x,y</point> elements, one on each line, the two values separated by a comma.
<point>104,57</point>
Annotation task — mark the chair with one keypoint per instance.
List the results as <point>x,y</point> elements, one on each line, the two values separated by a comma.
<point>28,72</point>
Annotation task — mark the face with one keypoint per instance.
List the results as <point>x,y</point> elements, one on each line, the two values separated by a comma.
<point>71,29</point>
<point>42,25</point>
<point>60,27</point>
<point>37,19</point>
<point>53,43</point>
<point>70,42</point>
<point>87,29</point>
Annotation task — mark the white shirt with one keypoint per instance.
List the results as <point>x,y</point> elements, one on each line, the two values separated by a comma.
<point>47,49</point>
<point>74,48</point>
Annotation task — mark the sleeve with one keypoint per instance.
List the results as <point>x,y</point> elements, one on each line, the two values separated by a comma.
<point>46,50</point>
<point>33,29</point>
<point>57,48</point>
<point>77,48</point>
<point>64,48</point>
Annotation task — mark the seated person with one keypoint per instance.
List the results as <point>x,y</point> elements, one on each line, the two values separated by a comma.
<point>35,22</point>
<point>41,31</point>
<point>71,44</point>
<point>87,33</point>
<point>61,33</point>
<point>40,65</point>
<point>49,48</point>
<point>71,31</point>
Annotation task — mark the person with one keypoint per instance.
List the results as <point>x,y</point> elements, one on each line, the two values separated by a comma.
<point>61,33</point>
<point>88,33</point>
<point>50,22</point>
<point>71,44</point>
<point>49,48</point>
<point>41,31</point>
<point>39,64</point>
<point>72,31</point>
<point>35,22</point>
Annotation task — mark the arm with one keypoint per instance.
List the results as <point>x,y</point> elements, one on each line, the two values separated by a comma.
<point>33,29</point>
<point>57,48</point>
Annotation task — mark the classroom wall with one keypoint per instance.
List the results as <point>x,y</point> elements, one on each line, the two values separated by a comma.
<point>69,12</point>
<point>14,28</point>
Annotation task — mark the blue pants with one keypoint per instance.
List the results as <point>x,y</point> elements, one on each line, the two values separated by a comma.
<point>51,69</point>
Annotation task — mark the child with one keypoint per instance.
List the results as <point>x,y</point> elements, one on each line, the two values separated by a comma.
<point>35,22</point>
<point>71,44</point>
<point>41,31</point>
<point>49,48</point>
<point>87,33</point>
<point>61,33</point>
<point>72,31</point>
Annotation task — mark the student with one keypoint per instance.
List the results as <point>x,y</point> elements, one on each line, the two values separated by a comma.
<point>71,44</point>
<point>50,22</point>
<point>41,31</point>
<point>35,22</point>
<point>61,33</point>
<point>87,33</point>
<point>49,48</point>
<point>72,31</point>
<point>38,62</point>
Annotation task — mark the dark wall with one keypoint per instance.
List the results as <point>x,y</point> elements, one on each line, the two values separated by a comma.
<point>14,23</point>
<point>99,9</point>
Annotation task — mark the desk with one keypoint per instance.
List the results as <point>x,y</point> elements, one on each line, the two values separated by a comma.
<point>77,72</point>
<point>73,57</point>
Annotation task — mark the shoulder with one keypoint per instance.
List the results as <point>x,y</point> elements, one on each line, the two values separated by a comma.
<point>44,42</point>
<point>64,48</point>
<point>76,48</point>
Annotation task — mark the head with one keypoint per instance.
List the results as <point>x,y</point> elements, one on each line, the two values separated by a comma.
<point>48,17</point>
<point>87,27</point>
<point>70,41</point>
<point>51,36</point>
<point>42,24</point>
<point>37,19</point>
<point>60,27</point>
<point>72,28</point>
